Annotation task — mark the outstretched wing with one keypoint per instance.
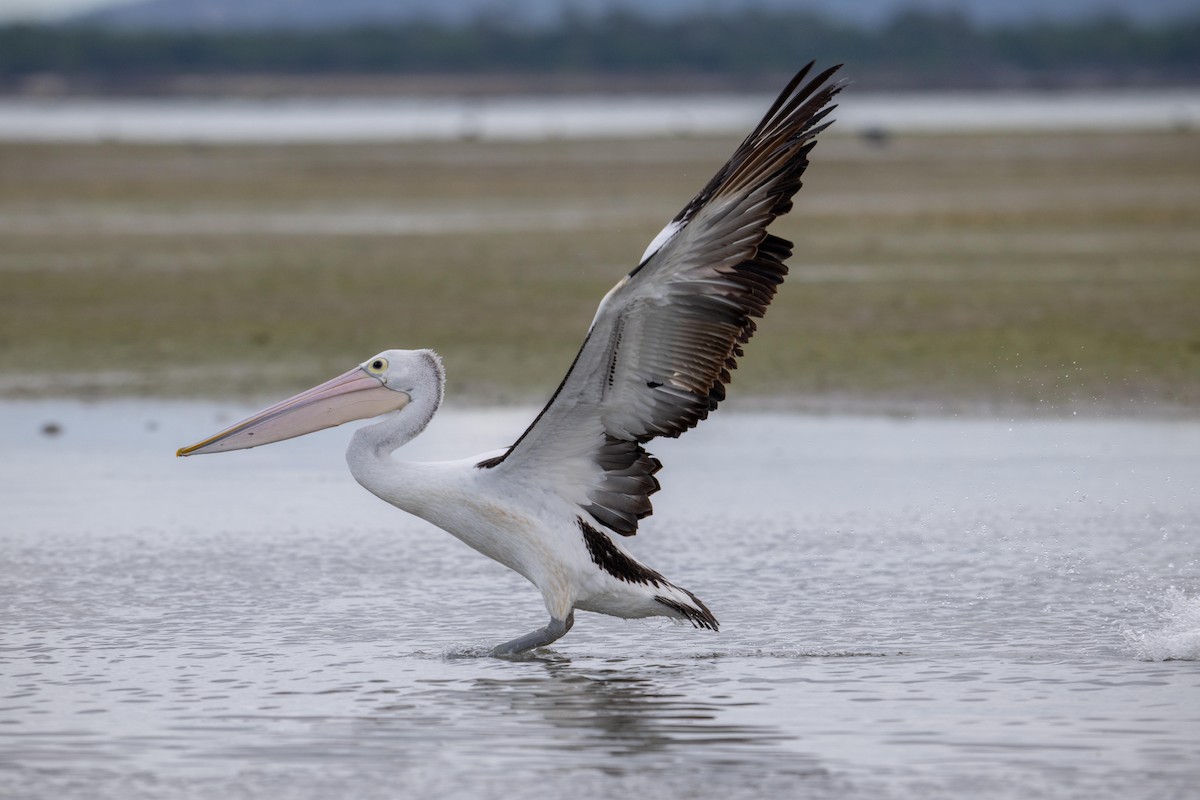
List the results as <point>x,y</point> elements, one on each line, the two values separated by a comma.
<point>659,352</point>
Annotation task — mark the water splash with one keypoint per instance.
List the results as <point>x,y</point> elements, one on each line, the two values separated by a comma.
<point>1177,635</point>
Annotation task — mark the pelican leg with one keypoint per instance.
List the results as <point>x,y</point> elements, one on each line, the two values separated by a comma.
<point>554,630</point>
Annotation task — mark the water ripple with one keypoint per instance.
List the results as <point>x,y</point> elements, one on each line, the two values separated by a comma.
<point>261,630</point>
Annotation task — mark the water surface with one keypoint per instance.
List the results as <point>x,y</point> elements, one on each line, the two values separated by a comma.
<point>934,608</point>
<point>584,117</point>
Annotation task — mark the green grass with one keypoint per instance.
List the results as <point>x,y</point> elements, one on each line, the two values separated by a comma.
<point>1021,272</point>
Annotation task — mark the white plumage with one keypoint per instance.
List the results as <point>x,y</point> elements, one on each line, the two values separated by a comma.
<point>655,362</point>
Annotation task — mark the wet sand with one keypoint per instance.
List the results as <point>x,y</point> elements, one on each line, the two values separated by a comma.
<point>1035,273</point>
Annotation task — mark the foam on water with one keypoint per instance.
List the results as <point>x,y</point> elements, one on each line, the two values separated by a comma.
<point>1176,636</point>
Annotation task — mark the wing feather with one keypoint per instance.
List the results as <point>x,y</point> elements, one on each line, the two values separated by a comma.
<point>664,340</point>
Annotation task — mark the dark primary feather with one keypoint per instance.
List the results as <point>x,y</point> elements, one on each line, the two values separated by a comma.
<point>659,353</point>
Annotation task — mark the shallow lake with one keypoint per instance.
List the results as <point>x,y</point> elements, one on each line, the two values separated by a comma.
<point>304,119</point>
<point>909,608</point>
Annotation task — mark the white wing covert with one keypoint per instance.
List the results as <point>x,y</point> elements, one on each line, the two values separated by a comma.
<point>659,352</point>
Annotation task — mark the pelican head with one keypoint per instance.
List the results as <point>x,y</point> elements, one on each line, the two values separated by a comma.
<point>384,383</point>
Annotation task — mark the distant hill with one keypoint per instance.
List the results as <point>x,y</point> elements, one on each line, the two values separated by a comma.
<point>277,14</point>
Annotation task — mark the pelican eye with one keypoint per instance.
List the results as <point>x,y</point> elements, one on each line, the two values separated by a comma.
<point>377,366</point>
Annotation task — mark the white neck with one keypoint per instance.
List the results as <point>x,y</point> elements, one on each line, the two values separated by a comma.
<point>424,381</point>
<point>393,431</point>
<point>371,448</point>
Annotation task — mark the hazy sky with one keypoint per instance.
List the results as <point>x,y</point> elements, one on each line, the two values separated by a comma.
<point>11,10</point>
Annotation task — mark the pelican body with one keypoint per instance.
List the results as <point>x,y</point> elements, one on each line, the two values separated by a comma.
<point>654,362</point>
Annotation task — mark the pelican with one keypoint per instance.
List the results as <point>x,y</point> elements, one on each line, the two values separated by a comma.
<point>654,362</point>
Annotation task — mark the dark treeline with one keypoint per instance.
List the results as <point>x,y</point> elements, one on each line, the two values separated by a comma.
<point>913,49</point>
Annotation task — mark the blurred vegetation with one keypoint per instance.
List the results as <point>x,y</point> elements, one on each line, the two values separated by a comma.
<point>913,49</point>
<point>1001,273</point>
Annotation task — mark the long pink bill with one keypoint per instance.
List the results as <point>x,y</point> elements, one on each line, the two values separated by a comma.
<point>354,395</point>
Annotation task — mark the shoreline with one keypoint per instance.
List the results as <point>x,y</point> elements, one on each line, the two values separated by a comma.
<point>997,274</point>
<point>537,118</point>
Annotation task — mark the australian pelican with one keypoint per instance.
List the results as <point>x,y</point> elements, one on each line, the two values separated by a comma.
<point>655,362</point>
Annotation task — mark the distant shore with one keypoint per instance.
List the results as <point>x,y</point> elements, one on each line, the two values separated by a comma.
<point>991,273</point>
<point>197,51</point>
<point>499,84</point>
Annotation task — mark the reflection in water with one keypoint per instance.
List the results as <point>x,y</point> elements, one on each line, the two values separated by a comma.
<point>604,717</point>
<point>615,712</point>
<point>254,628</point>
<point>545,723</point>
